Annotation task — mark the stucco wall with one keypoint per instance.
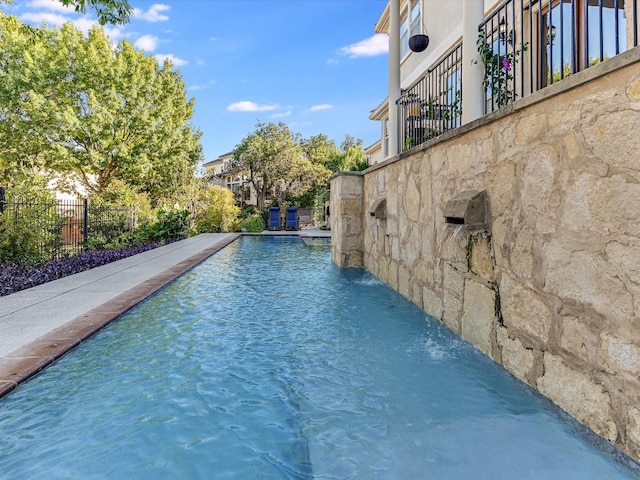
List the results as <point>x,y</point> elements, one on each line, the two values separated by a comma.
<point>551,287</point>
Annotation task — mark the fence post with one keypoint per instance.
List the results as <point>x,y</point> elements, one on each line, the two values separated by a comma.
<point>85,221</point>
<point>3,199</point>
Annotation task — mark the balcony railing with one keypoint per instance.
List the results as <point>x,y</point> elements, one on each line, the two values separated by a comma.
<point>527,45</point>
<point>432,105</point>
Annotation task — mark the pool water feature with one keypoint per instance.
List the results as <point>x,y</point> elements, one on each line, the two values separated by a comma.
<point>267,361</point>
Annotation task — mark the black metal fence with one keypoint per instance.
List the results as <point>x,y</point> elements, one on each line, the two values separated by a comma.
<point>529,44</point>
<point>525,45</point>
<point>49,229</point>
<point>432,105</point>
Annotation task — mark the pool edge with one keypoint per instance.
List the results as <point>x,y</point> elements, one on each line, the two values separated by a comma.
<point>22,364</point>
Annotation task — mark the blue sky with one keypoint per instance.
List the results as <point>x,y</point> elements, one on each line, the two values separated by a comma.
<point>315,65</point>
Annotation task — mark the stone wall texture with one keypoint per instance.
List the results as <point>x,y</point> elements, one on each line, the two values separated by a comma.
<point>550,288</point>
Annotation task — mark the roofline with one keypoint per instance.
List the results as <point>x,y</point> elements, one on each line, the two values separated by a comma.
<point>382,25</point>
<point>381,111</point>
<point>221,158</point>
<point>374,146</point>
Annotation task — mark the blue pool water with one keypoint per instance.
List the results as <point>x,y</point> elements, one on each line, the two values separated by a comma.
<point>268,362</point>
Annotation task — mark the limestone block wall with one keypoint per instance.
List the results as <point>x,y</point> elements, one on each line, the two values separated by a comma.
<point>346,219</point>
<point>550,288</point>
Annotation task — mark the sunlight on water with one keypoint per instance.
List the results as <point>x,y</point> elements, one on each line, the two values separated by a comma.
<point>268,362</point>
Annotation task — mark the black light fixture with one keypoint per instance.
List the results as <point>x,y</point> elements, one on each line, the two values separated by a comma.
<point>505,36</point>
<point>551,34</point>
<point>418,43</point>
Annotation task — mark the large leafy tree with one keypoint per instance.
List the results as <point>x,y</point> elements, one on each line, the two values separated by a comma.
<point>321,150</point>
<point>276,164</point>
<point>75,104</point>
<point>20,148</point>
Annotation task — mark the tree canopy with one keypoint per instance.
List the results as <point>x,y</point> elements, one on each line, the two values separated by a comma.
<point>276,163</point>
<point>280,164</point>
<point>78,106</point>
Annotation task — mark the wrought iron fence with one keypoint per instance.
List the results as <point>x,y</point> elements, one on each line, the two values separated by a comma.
<point>49,229</point>
<point>527,45</point>
<point>432,105</point>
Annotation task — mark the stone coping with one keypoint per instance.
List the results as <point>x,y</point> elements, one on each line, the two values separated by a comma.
<point>23,363</point>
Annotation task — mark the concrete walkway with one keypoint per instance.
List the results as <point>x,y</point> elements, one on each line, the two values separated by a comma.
<point>40,324</point>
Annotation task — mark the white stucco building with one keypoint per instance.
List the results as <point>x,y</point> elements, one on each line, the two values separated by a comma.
<point>528,44</point>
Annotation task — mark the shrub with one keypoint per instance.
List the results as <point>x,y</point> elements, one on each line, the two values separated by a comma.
<point>253,223</point>
<point>14,278</point>
<point>30,227</point>
<point>113,216</point>
<point>173,225</point>
<point>248,211</point>
<point>218,211</point>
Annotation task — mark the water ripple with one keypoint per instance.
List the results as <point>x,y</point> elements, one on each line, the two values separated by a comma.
<point>269,362</point>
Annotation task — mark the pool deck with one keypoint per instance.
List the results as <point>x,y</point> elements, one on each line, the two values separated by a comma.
<point>40,324</point>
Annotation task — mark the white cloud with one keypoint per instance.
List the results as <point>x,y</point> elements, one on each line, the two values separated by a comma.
<point>318,108</point>
<point>153,14</point>
<point>333,61</point>
<point>49,18</point>
<point>84,24</point>
<point>372,46</point>
<point>281,114</point>
<point>52,5</point>
<point>203,86</point>
<point>114,34</point>
<point>246,106</point>
<point>148,43</point>
<point>213,39</point>
<point>178,62</point>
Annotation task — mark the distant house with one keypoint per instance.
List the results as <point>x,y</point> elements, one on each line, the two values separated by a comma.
<point>439,78</point>
<point>222,172</point>
<point>374,153</point>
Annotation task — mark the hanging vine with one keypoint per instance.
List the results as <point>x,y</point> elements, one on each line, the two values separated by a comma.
<point>498,71</point>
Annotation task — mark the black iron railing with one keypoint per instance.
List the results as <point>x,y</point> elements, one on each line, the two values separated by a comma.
<point>527,45</point>
<point>432,105</point>
<point>50,229</point>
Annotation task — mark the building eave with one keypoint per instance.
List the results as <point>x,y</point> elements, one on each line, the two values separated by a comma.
<point>381,111</point>
<point>382,25</point>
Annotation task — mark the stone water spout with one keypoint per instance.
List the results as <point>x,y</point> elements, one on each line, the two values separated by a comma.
<point>468,208</point>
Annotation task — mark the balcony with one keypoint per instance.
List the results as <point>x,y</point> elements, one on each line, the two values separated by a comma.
<point>525,45</point>
<point>432,105</point>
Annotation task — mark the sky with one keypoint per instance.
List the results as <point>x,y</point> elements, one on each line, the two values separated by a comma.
<point>315,65</point>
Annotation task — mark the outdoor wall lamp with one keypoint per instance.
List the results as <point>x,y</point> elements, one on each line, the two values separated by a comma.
<point>418,43</point>
<point>505,36</point>
<point>551,34</point>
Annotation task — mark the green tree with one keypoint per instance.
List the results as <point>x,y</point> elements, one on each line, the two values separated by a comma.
<point>74,105</point>
<point>320,149</point>
<point>21,148</point>
<point>276,164</point>
<point>351,156</point>
<point>216,211</point>
<point>108,11</point>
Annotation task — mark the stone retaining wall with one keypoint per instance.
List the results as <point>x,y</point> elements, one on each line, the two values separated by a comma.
<point>550,288</point>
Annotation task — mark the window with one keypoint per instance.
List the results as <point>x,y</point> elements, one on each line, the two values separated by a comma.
<point>385,136</point>
<point>416,18</point>
<point>576,34</point>
<point>411,25</point>
<point>404,37</point>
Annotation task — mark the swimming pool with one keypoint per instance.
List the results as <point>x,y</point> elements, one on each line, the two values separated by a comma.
<point>267,361</point>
